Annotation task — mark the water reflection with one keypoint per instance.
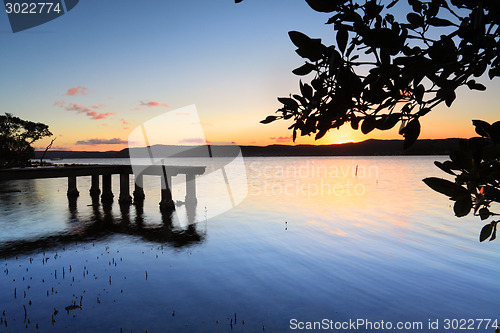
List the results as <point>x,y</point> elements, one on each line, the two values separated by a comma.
<point>104,222</point>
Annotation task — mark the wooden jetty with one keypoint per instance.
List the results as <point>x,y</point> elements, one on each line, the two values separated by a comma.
<point>165,172</point>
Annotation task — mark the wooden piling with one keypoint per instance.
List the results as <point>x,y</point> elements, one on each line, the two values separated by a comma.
<point>107,194</point>
<point>166,195</point>
<point>125,197</point>
<point>95,191</point>
<point>190,189</point>
<point>72,190</point>
<point>139,189</point>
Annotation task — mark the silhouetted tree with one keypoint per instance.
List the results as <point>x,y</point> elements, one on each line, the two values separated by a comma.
<point>16,137</point>
<point>387,68</point>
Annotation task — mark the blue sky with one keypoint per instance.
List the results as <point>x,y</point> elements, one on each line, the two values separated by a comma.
<point>129,61</point>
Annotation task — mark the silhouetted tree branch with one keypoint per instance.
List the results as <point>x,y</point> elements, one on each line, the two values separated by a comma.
<point>384,71</point>
<point>46,149</point>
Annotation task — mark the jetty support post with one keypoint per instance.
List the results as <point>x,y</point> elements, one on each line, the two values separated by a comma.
<point>139,189</point>
<point>72,190</point>
<point>166,202</point>
<point>191,189</point>
<point>125,197</point>
<point>107,193</point>
<point>95,191</point>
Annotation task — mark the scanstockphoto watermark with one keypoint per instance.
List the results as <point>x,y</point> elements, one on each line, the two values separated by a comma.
<point>311,179</point>
<point>362,324</point>
<point>354,325</point>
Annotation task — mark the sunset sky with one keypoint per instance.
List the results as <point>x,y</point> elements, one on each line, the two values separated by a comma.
<point>107,66</point>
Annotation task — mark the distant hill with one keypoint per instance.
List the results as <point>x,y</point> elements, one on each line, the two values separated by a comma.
<point>370,147</point>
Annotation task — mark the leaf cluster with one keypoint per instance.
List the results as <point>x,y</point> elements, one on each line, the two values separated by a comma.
<point>476,168</point>
<point>383,72</point>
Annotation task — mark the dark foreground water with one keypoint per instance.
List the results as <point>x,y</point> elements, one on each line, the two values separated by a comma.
<point>312,242</point>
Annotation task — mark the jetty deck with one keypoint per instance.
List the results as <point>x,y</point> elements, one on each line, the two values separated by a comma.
<point>105,172</point>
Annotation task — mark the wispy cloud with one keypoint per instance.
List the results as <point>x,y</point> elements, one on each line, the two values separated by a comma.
<point>53,148</point>
<point>193,140</point>
<point>92,114</point>
<point>77,91</point>
<point>61,102</point>
<point>125,123</point>
<point>115,141</point>
<point>83,109</point>
<point>281,139</point>
<point>154,103</point>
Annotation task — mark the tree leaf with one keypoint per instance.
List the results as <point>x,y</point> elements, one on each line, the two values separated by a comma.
<point>342,36</point>
<point>411,133</point>
<point>446,187</point>
<point>444,167</point>
<point>368,125</point>
<point>415,20</point>
<point>320,134</point>
<point>355,123</point>
<point>313,54</point>
<point>388,121</point>
<point>482,128</point>
<point>324,6</point>
<point>473,85</point>
<point>494,233</point>
<point>306,90</point>
<point>495,132</point>
<point>419,93</point>
<point>485,232</point>
<point>484,213</point>
<point>304,69</point>
<point>492,193</point>
<point>462,206</point>
<point>269,119</point>
<point>392,4</point>
<point>439,22</point>
<point>299,39</point>
<point>450,97</point>
<point>289,102</point>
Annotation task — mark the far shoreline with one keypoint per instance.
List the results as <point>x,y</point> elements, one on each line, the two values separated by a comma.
<point>370,147</point>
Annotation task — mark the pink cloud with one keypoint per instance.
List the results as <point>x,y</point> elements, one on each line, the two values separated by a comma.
<point>51,148</point>
<point>115,141</point>
<point>83,109</point>
<point>154,104</point>
<point>97,115</point>
<point>125,123</point>
<point>77,91</point>
<point>281,139</point>
<point>60,102</point>
<point>193,140</point>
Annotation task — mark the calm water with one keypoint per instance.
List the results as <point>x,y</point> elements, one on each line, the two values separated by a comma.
<point>313,240</point>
